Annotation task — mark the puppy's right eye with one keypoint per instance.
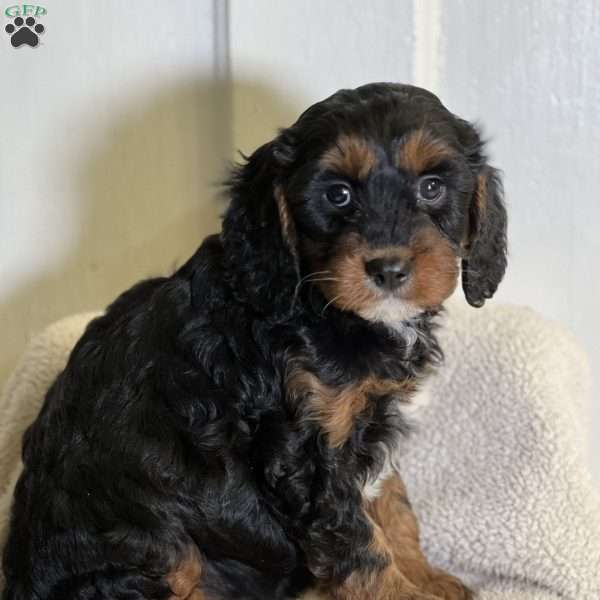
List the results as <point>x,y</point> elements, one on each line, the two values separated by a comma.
<point>339,194</point>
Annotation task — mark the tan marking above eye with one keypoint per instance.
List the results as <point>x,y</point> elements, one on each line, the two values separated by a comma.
<point>420,151</point>
<point>346,287</point>
<point>351,156</point>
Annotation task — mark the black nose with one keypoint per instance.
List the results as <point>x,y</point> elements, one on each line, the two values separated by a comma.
<point>388,273</point>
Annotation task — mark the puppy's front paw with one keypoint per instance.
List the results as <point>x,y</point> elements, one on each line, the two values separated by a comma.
<point>414,596</point>
<point>446,587</point>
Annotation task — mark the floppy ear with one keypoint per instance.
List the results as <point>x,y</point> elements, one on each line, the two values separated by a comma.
<point>258,230</point>
<point>485,261</point>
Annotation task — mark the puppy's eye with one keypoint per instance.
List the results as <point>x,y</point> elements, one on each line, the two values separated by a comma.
<point>339,194</point>
<point>431,188</point>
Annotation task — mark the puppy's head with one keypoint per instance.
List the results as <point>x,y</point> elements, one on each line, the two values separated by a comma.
<point>376,196</point>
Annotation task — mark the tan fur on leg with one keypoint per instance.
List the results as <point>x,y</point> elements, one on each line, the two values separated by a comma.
<point>393,514</point>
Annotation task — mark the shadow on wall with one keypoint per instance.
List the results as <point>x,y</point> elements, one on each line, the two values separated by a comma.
<point>146,197</point>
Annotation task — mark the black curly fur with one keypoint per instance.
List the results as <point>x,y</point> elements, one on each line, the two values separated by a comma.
<point>170,426</point>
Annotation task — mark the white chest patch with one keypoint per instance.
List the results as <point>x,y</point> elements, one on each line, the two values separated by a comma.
<point>410,412</point>
<point>374,485</point>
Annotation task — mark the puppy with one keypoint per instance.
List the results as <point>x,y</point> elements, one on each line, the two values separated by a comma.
<point>228,432</point>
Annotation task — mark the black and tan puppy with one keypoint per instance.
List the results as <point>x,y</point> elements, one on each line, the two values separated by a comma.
<point>228,432</point>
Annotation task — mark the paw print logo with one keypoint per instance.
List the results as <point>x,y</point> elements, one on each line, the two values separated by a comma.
<point>24,31</point>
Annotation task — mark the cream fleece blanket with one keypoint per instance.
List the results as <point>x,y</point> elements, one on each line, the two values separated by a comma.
<point>496,471</point>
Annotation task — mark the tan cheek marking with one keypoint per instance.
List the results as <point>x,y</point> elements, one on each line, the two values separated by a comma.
<point>345,284</point>
<point>185,579</point>
<point>421,151</point>
<point>351,291</point>
<point>351,156</point>
<point>336,409</point>
<point>435,270</point>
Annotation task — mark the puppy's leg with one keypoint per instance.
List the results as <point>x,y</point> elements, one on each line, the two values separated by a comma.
<point>354,560</point>
<point>391,566</point>
<point>184,579</point>
<point>386,583</point>
<point>392,513</point>
<point>383,583</point>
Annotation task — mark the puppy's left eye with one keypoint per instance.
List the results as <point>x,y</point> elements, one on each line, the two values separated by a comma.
<point>431,188</point>
<point>339,194</point>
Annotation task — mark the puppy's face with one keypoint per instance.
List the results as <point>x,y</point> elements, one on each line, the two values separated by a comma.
<point>381,194</point>
<point>382,223</point>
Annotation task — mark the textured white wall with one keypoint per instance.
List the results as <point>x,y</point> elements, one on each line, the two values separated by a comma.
<point>295,53</point>
<point>113,131</point>
<point>115,128</point>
